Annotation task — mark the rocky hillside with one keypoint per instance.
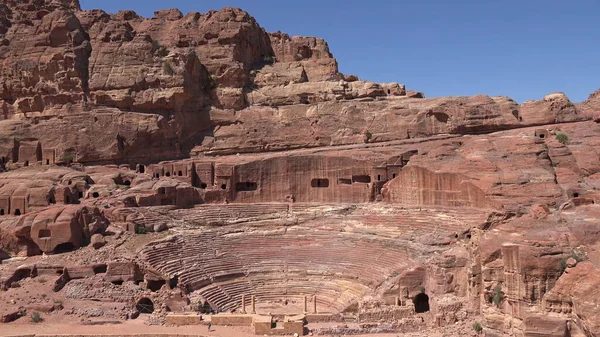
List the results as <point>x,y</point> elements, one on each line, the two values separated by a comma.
<point>120,87</point>
<point>222,141</point>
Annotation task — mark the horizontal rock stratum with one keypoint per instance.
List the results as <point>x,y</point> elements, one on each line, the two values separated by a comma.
<point>198,162</point>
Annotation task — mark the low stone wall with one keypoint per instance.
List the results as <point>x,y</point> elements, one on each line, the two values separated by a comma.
<point>179,319</point>
<point>232,320</point>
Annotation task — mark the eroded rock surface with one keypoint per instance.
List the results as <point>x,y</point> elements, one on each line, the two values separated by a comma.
<point>192,161</point>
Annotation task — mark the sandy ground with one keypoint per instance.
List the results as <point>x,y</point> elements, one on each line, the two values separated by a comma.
<point>134,327</point>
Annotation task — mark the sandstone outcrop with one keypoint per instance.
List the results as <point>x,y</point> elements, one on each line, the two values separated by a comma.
<point>196,162</point>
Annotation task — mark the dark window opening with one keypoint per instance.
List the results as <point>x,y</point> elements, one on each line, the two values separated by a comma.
<point>127,183</point>
<point>27,163</point>
<point>47,161</point>
<point>468,235</point>
<point>95,195</point>
<point>117,282</point>
<point>67,200</point>
<point>157,175</point>
<point>394,176</point>
<point>145,306</point>
<point>575,195</point>
<point>173,282</point>
<point>80,194</point>
<point>224,186</point>
<point>2,211</point>
<point>180,173</point>
<point>100,269</point>
<point>379,177</point>
<point>542,136</point>
<point>17,211</point>
<point>320,183</point>
<point>162,190</point>
<point>344,181</point>
<point>51,200</point>
<point>203,186</point>
<point>44,233</point>
<point>246,186</point>
<point>361,179</point>
<point>70,182</point>
<point>389,92</point>
<point>155,285</point>
<point>65,247</point>
<point>142,169</point>
<point>456,236</point>
<point>168,174</point>
<point>421,302</point>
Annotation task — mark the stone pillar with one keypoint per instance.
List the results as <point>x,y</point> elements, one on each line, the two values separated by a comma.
<point>397,301</point>
<point>253,299</point>
<point>314,304</point>
<point>305,304</point>
<point>243,304</point>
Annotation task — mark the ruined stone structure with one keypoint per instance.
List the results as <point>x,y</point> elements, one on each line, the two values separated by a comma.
<point>198,164</point>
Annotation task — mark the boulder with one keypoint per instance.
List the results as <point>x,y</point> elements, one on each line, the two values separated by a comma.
<point>97,241</point>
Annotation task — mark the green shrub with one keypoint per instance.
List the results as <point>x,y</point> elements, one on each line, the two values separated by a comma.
<point>577,255</point>
<point>477,327</point>
<point>368,134</point>
<point>562,138</point>
<point>168,68</point>
<point>36,317</point>
<point>41,280</point>
<point>141,230</point>
<point>498,295</point>
<point>68,156</point>
<point>156,45</point>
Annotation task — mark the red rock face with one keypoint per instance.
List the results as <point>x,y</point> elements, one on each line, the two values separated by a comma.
<point>283,177</point>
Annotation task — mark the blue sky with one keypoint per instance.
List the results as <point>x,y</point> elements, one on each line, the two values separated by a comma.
<point>523,49</point>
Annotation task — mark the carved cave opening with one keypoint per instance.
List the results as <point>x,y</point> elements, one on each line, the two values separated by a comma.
<point>95,195</point>
<point>364,179</point>
<point>17,211</point>
<point>319,183</point>
<point>1,211</point>
<point>173,282</point>
<point>27,163</point>
<point>44,233</point>
<point>145,306</point>
<point>203,186</point>
<point>344,181</point>
<point>155,285</point>
<point>421,302</point>
<point>246,186</point>
<point>142,169</point>
<point>100,269</point>
<point>65,247</point>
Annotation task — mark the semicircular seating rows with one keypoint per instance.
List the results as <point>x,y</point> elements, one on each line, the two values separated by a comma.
<point>338,267</point>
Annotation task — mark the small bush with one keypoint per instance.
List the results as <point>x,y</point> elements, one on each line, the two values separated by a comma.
<point>477,327</point>
<point>68,156</point>
<point>156,45</point>
<point>168,68</point>
<point>141,230</point>
<point>498,295</point>
<point>41,280</point>
<point>36,317</point>
<point>562,138</point>
<point>578,255</point>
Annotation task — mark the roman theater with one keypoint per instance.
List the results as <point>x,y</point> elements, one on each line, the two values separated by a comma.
<point>160,174</point>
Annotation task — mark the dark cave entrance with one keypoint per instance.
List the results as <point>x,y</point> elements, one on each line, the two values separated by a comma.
<point>421,302</point>
<point>145,306</point>
<point>64,248</point>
